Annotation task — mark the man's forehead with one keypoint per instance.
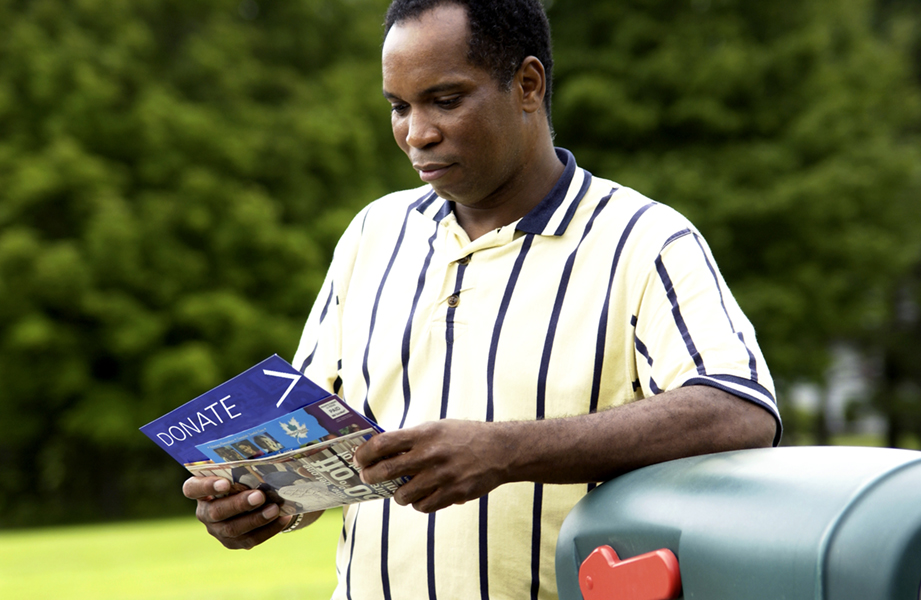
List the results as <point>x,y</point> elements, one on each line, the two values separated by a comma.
<point>440,12</point>
<point>427,55</point>
<point>441,26</point>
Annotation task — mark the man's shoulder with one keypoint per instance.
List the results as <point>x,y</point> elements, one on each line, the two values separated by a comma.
<point>638,211</point>
<point>386,216</point>
<point>392,208</point>
<point>402,198</point>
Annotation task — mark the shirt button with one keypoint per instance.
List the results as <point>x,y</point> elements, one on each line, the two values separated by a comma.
<point>453,300</point>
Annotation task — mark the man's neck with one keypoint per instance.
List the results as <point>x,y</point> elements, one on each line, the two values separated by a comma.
<point>523,193</point>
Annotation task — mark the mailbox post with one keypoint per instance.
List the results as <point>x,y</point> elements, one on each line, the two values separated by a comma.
<point>816,523</point>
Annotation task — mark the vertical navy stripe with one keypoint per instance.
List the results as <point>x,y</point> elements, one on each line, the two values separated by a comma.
<point>449,342</point>
<point>542,389</point>
<point>535,539</point>
<point>348,571</point>
<point>407,331</point>
<point>385,549</point>
<point>679,319</point>
<point>430,553</point>
<point>571,210</point>
<point>716,282</point>
<point>377,300</point>
<point>558,307</point>
<point>483,528</point>
<point>307,361</point>
<point>539,217</point>
<point>428,202</point>
<point>601,338</point>
<point>752,363</point>
<point>641,348</point>
<point>500,319</point>
<point>490,390</point>
<point>385,525</point>
<point>446,209</point>
<point>445,394</point>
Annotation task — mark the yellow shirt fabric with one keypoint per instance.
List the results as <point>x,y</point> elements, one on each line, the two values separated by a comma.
<point>598,297</point>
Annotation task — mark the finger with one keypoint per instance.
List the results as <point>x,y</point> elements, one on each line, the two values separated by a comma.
<point>438,499</point>
<point>196,488</point>
<point>414,490</point>
<point>429,503</point>
<point>229,507</point>
<point>394,467</point>
<point>383,445</point>
<point>253,537</point>
<point>244,524</point>
<point>427,493</point>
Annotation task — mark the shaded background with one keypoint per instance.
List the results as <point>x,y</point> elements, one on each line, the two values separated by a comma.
<point>174,175</point>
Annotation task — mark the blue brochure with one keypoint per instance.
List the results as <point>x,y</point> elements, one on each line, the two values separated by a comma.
<point>266,392</point>
<point>273,429</point>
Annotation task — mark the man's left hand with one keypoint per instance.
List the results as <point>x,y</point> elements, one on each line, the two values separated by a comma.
<point>449,461</point>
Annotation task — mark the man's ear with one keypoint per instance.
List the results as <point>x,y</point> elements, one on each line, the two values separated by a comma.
<point>531,80</point>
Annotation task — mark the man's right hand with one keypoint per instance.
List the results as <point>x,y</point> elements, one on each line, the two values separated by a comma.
<point>237,518</point>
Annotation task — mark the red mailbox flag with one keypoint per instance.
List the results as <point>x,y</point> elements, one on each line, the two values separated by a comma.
<point>650,576</point>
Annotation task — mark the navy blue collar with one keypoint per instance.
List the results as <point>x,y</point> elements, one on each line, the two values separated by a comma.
<point>546,217</point>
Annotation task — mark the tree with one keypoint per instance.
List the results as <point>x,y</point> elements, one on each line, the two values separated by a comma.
<point>787,131</point>
<point>175,175</point>
<point>894,344</point>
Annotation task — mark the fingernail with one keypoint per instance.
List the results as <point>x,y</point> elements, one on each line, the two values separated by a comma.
<point>222,486</point>
<point>255,499</point>
<point>270,512</point>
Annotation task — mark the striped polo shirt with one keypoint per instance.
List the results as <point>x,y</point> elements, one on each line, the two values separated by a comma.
<point>597,297</point>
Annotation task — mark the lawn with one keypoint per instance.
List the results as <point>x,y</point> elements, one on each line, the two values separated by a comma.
<point>171,559</point>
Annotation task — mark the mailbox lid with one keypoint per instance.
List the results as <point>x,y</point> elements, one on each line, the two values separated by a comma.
<point>874,551</point>
<point>769,523</point>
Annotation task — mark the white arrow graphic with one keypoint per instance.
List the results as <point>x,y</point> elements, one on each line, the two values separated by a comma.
<point>294,377</point>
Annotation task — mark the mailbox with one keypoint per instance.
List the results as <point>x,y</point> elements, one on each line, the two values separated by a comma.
<point>798,523</point>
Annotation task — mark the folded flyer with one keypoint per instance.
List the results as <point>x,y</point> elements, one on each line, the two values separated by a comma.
<point>273,429</point>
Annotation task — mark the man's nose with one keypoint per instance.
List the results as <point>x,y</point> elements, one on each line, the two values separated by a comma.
<point>422,131</point>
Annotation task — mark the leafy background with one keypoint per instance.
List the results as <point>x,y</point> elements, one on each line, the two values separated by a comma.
<point>174,175</point>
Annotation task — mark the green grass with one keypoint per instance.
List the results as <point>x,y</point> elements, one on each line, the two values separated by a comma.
<point>171,559</point>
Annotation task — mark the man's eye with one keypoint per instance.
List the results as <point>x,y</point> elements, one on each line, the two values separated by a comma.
<point>399,109</point>
<point>450,102</point>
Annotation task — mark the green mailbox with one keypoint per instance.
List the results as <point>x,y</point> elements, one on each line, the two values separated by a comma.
<point>816,523</point>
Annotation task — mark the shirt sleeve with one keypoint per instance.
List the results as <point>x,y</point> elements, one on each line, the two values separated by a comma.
<point>689,330</point>
<point>319,353</point>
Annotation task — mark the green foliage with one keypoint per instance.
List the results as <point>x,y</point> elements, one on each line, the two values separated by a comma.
<point>895,343</point>
<point>174,175</point>
<point>787,131</point>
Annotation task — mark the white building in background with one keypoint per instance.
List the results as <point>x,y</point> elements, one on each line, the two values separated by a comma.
<point>846,381</point>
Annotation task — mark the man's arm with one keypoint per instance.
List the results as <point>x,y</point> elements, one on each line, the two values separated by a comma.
<point>240,520</point>
<point>452,462</point>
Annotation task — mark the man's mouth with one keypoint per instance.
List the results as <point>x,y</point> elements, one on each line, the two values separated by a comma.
<point>431,171</point>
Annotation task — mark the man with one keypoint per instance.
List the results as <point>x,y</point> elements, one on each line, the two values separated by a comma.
<point>514,323</point>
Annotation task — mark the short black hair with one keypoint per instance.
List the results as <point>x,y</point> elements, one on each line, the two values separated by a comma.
<point>502,34</point>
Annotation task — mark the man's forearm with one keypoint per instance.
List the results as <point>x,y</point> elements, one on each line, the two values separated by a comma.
<point>452,462</point>
<point>683,422</point>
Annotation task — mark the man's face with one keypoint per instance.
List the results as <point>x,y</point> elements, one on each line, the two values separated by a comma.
<point>461,131</point>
